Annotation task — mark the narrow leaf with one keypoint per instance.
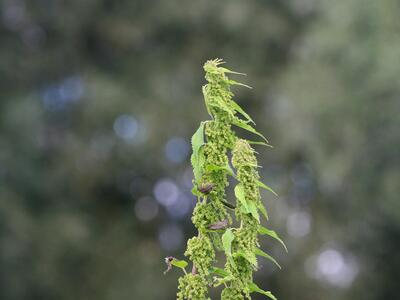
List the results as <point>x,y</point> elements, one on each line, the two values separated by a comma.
<point>260,143</point>
<point>225,70</point>
<point>266,187</point>
<point>236,107</point>
<point>265,231</point>
<point>245,126</point>
<point>233,82</point>
<point>255,289</point>
<point>259,252</point>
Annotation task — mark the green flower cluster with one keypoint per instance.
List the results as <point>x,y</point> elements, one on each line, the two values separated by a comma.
<point>201,252</point>
<point>193,287</point>
<point>212,143</point>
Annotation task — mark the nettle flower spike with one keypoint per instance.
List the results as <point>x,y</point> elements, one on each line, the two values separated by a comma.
<point>213,215</point>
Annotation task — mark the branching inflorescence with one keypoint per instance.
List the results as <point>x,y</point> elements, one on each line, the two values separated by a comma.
<point>236,235</point>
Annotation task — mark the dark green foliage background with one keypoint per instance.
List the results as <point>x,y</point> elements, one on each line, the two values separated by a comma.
<point>326,92</point>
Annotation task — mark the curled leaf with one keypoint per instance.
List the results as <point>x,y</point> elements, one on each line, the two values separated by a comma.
<point>266,187</point>
<point>259,252</point>
<point>265,231</point>
<point>255,289</point>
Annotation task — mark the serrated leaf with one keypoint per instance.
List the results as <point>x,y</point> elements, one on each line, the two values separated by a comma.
<point>226,168</point>
<point>259,252</point>
<point>179,263</point>
<point>266,187</point>
<point>265,231</point>
<point>237,108</point>
<point>255,289</point>
<point>245,126</point>
<point>227,239</point>
<point>219,271</point>
<point>260,143</point>
<point>197,159</point>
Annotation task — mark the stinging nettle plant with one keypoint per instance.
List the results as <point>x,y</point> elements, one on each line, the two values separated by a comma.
<point>232,229</point>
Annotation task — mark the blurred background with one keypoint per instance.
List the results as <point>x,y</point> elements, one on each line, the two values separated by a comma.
<point>99,100</point>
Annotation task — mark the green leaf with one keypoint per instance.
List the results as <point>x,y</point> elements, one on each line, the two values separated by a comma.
<point>197,158</point>
<point>221,104</point>
<point>225,70</point>
<point>255,289</point>
<point>259,252</point>
<point>250,258</point>
<point>265,231</point>
<point>179,263</point>
<point>216,239</point>
<point>233,82</point>
<point>196,192</point>
<point>219,271</point>
<point>237,108</point>
<point>227,239</point>
<point>260,143</point>
<point>263,210</point>
<point>249,207</point>
<point>206,100</point>
<point>253,210</point>
<point>266,187</point>
<point>239,194</point>
<point>227,168</point>
<point>245,126</point>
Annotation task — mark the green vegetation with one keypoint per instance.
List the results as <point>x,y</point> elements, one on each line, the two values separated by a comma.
<point>212,144</point>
